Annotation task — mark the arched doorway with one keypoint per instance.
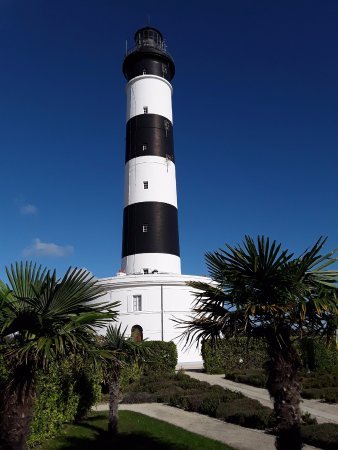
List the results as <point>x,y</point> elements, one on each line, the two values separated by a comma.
<point>137,333</point>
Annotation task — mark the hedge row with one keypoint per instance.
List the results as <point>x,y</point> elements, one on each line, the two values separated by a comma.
<point>66,392</point>
<point>162,358</point>
<point>193,395</point>
<point>240,354</point>
<point>232,354</point>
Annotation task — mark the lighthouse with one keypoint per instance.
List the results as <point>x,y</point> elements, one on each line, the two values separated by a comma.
<point>150,288</point>
<point>150,242</point>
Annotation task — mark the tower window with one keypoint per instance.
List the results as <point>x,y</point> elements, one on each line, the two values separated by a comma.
<point>144,147</point>
<point>145,228</point>
<point>145,184</point>
<point>137,302</point>
<point>145,109</point>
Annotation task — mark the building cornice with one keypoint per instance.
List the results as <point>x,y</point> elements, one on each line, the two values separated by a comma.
<point>143,280</point>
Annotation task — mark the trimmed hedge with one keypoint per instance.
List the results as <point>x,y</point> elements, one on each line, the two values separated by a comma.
<point>324,435</point>
<point>245,412</point>
<point>65,393</point>
<point>254,377</point>
<point>327,394</point>
<point>193,395</point>
<point>190,394</point>
<point>318,356</point>
<point>232,354</point>
<point>162,357</point>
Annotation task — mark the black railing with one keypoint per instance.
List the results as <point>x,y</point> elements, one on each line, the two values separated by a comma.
<point>137,47</point>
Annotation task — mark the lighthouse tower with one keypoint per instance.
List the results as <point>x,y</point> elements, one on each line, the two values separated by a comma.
<point>150,288</point>
<point>150,241</point>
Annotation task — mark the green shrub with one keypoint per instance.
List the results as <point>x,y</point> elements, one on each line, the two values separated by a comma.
<point>162,357</point>
<point>239,354</point>
<point>329,394</point>
<point>130,374</point>
<point>324,435</point>
<point>319,380</point>
<point>87,386</point>
<point>318,356</point>
<point>232,354</point>
<point>307,419</point>
<point>66,392</point>
<point>254,377</point>
<point>209,405</point>
<point>139,397</point>
<point>245,412</point>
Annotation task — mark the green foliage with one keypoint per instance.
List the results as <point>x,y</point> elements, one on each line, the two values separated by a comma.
<point>245,412</point>
<point>131,373</point>
<point>319,380</point>
<point>190,394</point>
<point>328,394</point>
<point>317,355</point>
<point>259,289</point>
<point>51,317</point>
<point>225,355</point>
<point>3,367</point>
<point>231,354</point>
<point>65,392</point>
<point>254,377</point>
<point>162,357</point>
<point>324,435</point>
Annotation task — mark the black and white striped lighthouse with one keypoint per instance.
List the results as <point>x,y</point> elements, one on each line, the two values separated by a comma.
<point>150,223</point>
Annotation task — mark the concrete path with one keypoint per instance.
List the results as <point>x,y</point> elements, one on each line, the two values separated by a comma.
<point>238,437</point>
<point>323,412</point>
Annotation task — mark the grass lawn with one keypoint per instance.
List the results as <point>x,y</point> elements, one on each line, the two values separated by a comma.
<point>136,431</point>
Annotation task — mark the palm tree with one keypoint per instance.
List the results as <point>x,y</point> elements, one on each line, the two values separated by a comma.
<point>43,318</point>
<point>260,290</point>
<point>124,350</point>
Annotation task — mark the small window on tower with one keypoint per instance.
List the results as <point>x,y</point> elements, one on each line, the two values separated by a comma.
<point>144,147</point>
<point>137,303</point>
<point>145,185</point>
<point>145,228</point>
<point>145,109</point>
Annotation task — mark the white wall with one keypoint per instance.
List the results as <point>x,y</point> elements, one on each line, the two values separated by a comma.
<point>162,262</point>
<point>177,302</point>
<point>161,176</point>
<point>151,91</point>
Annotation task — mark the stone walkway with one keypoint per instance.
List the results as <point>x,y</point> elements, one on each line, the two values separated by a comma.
<point>323,412</point>
<point>238,437</point>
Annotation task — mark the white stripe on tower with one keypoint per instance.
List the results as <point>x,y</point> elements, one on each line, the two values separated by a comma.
<point>150,224</point>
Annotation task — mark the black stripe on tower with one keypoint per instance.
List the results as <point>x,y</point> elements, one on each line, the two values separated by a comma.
<point>149,134</point>
<point>150,227</point>
<point>138,64</point>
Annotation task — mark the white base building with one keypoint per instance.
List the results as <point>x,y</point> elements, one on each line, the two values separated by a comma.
<point>150,302</point>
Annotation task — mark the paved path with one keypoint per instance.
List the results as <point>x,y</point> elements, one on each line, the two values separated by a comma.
<point>238,437</point>
<point>323,412</point>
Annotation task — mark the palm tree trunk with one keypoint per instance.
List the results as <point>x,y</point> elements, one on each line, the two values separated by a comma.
<point>16,418</point>
<point>114,394</point>
<point>284,387</point>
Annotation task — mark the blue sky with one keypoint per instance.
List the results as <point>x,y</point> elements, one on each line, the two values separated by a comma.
<point>255,124</point>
